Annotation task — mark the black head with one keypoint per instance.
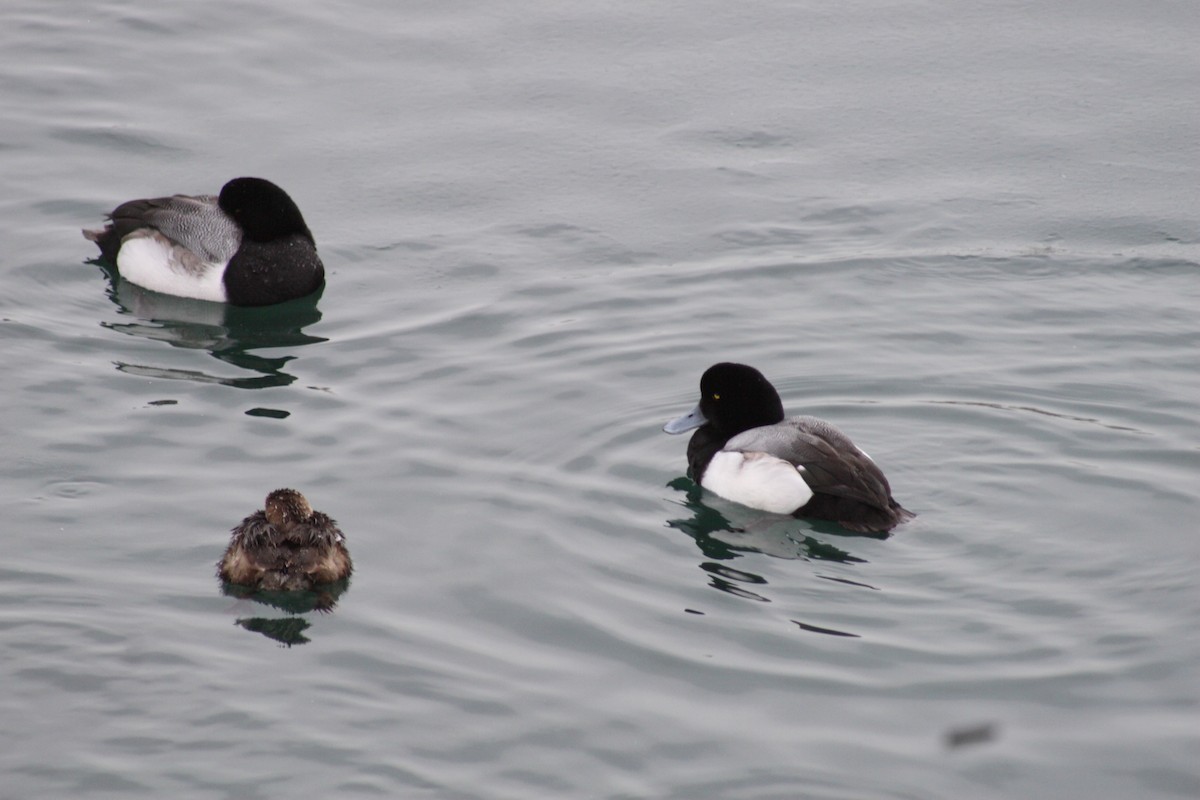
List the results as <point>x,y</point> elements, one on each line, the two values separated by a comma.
<point>736,398</point>
<point>262,209</point>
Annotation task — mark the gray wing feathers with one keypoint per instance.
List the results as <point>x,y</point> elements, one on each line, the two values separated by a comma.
<point>830,462</point>
<point>196,223</point>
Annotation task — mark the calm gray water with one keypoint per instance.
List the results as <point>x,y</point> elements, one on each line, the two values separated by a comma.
<point>968,237</point>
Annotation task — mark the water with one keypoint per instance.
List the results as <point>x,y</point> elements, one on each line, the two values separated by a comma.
<point>967,236</point>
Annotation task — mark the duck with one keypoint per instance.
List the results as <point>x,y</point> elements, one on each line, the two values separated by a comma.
<point>286,546</point>
<point>247,246</point>
<point>746,451</point>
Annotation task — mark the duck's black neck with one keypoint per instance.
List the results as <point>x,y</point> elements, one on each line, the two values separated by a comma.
<point>705,443</point>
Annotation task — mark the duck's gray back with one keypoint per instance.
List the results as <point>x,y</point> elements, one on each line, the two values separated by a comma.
<point>799,440</point>
<point>197,223</point>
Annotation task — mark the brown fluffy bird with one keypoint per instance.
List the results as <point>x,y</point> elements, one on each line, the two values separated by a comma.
<point>285,547</point>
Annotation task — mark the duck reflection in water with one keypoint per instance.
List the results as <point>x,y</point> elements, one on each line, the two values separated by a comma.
<point>720,540</point>
<point>230,333</point>
<point>287,556</point>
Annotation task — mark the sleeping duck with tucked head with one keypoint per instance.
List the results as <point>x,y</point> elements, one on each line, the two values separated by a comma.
<point>746,451</point>
<point>285,547</point>
<point>248,246</point>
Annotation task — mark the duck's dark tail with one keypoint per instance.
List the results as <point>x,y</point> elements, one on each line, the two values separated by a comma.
<point>902,513</point>
<point>855,515</point>
<point>107,240</point>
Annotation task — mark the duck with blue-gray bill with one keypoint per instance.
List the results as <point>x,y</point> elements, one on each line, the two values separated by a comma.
<point>746,451</point>
<point>248,246</point>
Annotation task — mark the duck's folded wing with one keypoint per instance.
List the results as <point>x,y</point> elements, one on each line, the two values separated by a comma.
<point>196,223</point>
<point>828,460</point>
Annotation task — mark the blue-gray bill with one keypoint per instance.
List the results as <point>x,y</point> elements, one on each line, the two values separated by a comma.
<point>689,421</point>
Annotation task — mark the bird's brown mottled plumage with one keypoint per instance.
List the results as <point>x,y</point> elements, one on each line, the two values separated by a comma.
<point>287,546</point>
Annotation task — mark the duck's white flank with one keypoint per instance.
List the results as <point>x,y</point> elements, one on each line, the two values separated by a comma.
<point>154,262</point>
<point>757,480</point>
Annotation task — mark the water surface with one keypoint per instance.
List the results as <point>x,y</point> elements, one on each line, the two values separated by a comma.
<point>968,237</point>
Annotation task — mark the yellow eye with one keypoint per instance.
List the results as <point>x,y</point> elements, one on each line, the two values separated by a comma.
<point>716,397</point>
